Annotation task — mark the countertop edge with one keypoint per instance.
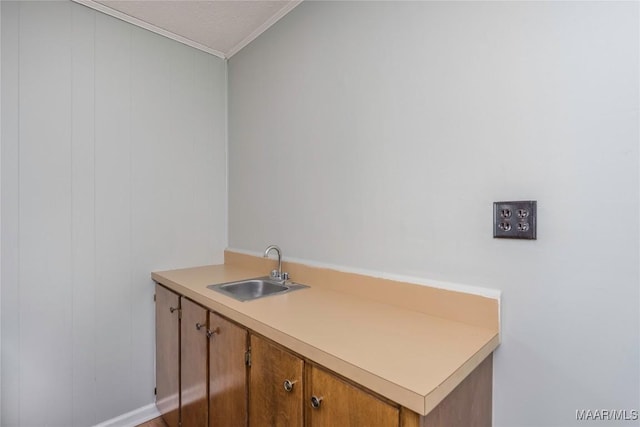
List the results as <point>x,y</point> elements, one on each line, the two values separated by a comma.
<point>432,399</point>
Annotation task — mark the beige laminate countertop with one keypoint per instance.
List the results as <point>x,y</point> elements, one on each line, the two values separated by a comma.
<point>412,358</point>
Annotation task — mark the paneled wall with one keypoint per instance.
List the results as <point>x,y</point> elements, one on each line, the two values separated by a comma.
<point>376,135</point>
<point>113,165</point>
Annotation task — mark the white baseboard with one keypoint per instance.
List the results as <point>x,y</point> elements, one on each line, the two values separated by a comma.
<point>133,418</point>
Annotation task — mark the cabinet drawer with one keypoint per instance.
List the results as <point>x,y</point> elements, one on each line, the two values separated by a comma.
<point>332,401</point>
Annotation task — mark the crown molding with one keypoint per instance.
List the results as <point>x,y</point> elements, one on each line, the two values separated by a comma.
<point>264,27</point>
<point>147,26</point>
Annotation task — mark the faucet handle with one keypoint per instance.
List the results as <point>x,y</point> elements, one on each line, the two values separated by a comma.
<point>285,276</point>
<point>274,274</point>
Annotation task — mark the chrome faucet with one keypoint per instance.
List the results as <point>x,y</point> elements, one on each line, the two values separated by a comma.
<point>276,274</point>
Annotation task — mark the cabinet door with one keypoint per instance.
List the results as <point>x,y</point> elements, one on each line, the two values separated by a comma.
<point>270,404</point>
<point>338,403</point>
<point>227,373</point>
<point>167,355</point>
<point>193,364</point>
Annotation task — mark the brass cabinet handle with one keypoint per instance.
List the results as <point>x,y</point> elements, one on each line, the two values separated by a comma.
<point>315,402</point>
<point>288,385</point>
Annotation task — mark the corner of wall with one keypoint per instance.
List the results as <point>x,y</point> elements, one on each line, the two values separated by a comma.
<point>0,205</point>
<point>226,150</point>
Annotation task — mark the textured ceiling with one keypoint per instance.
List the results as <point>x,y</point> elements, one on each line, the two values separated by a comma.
<point>224,27</point>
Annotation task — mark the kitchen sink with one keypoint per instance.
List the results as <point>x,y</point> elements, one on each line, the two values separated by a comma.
<point>260,287</point>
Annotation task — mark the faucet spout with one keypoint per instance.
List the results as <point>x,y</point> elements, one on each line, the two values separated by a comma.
<point>279,252</point>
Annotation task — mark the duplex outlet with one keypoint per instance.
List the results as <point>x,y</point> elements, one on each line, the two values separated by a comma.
<point>515,220</point>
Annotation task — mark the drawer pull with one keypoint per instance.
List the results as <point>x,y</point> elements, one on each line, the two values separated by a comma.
<point>288,385</point>
<point>200,325</point>
<point>315,402</point>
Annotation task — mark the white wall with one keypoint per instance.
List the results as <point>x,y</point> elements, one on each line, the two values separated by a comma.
<point>377,135</point>
<point>113,165</point>
<point>0,219</point>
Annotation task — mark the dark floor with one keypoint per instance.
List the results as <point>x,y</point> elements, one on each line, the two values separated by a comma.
<point>156,422</point>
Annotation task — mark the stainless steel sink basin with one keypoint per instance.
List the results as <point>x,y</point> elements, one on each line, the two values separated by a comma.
<point>250,289</point>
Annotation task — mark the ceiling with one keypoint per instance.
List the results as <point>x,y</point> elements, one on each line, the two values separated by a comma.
<point>220,27</point>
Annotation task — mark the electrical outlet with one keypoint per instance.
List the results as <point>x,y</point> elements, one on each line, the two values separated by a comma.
<point>515,220</point>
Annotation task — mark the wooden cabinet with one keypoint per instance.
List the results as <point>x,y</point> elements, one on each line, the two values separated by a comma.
<point>275,386</point>
<point>201,373</point>
<point>333,401</point>
<point>203,379</point>
<point>193,364</point>
<point>282,386</point>
<point>168,355</point>
<point>227,373</point>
